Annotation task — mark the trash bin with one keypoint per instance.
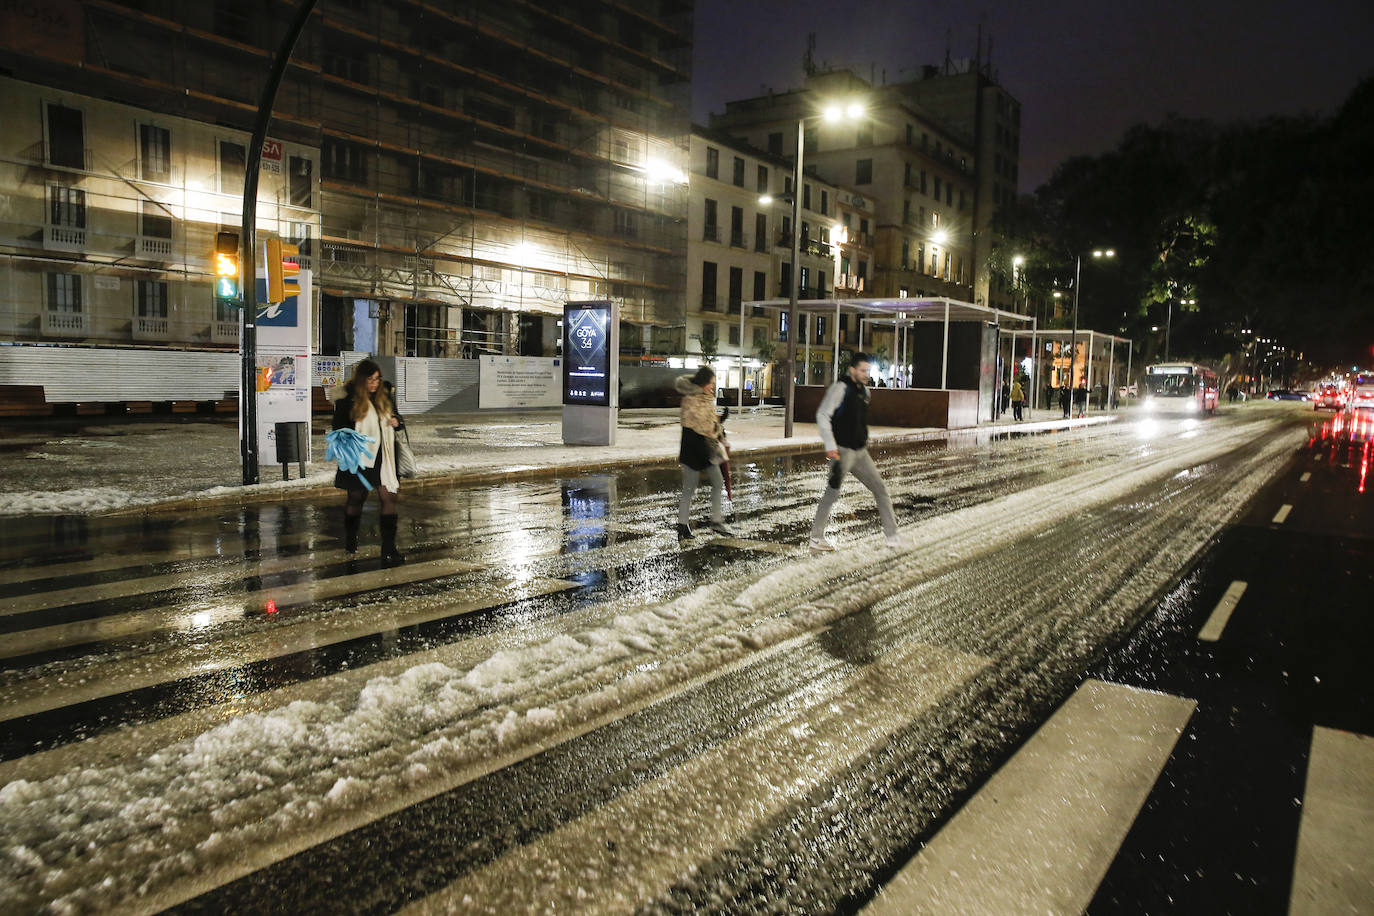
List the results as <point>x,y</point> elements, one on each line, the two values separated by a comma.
<point>290,447</point>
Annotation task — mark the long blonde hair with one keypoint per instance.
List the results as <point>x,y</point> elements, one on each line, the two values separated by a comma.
<point>357,388</point>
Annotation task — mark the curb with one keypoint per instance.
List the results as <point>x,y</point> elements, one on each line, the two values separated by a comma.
<point>268,493</point>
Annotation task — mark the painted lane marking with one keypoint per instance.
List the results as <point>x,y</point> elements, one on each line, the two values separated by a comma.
<point>1281,515</point>
<point>1211,631</point>
<point>1332,871</point>
<point>1306,476</point>
<point>1058,810</point>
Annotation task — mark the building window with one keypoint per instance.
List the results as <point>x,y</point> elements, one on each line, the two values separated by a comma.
<point>825,202</point>
<point>906,174</point>
<point>151,298</point>
<point>738,176</point>
<point>923,182</point>
<point>906,210</point>
<point>736,288</point>
<point>864,135</point>
<point>709,231</point>
<point>625,223</point>
<point>64,292</point>
<point>906,254</point>
<point>760,286</point>
<point>949,195</point>
<point>708,285</point>
<point>302,180</point>
<point>760,232</point>
<point>806,196</point>
<point>763,179</point>
<point>709,331</point>
<point>760,339</point>
<point>782,323</point>
<point>863,171</point>
<point>775,143</point>
<point>232,165</point>
<point>734,335</point>
<point>342,160</point>
<point>820,329</point>
<point>156,223</point>
<point>154,152</point>
<point>712,162</point>
<point>737,227</point>
<point>937,187</point>
<point>66,206</point>
<point>908,134</point>
<point>66,137</point>
<point>809,140</point>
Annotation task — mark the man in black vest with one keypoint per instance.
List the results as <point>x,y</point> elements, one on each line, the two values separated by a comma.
<point>842,420</point>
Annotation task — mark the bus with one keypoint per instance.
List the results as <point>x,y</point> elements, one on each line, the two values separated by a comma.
<point>1182,387</point>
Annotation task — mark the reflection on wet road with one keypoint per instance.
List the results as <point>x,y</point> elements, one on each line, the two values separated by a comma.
<point>551,647</point>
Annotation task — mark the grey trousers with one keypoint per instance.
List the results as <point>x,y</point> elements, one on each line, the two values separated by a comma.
<point>860,464</point>
<point>690,481</point>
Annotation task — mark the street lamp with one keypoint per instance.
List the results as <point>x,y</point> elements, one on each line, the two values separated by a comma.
<point>1073,335</point>
<point>832,112</point>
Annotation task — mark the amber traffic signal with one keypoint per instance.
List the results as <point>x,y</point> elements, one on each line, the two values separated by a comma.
<point>227,265</point>
<point>283,271</point>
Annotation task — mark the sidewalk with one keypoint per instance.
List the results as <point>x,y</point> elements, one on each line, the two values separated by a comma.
<point>111,467</point>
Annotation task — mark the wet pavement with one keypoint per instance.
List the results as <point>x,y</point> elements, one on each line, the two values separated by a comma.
<point>555,704</point>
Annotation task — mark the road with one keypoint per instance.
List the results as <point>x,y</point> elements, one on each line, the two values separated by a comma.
<point>556,706</point>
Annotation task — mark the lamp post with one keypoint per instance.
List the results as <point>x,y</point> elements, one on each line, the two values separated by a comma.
<point>1169,321</point>
<point>1073,335</point>
<point>831,113</point>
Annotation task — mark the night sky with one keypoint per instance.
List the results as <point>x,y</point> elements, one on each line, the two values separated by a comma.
<point>1083,70</point>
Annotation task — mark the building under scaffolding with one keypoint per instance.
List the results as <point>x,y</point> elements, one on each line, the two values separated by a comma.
<point>479,163</point>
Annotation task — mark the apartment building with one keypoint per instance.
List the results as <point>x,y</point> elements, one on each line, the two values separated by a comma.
<point>740,251</point>
<point>937,155</point>
<point>110,219</point>
<point>473,165</point>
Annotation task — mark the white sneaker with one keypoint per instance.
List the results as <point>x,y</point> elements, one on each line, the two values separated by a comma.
<point>822,545</point>
<point>894,541</point>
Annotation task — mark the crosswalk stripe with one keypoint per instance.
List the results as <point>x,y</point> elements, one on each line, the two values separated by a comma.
<point>1331,871</point>
<point>287,638</point>
<point>205,614</point>
<point>1282,515</point>
<point>196,546</point>
<point>1211,631</point>
<point>657,831</point>
<point>125,588</point>
<point>1040,835</point>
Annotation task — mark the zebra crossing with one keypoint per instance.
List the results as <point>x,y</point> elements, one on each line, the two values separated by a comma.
<point>556,706</point>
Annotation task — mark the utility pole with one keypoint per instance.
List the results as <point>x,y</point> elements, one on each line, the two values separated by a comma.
<point>248,388</point>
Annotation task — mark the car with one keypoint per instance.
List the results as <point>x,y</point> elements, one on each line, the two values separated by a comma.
<point>1328,395</point>
<point>1285,394</point>
<point>1359,393</point>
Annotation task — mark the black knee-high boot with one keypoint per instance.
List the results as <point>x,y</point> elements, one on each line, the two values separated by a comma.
<point>390,555</point>
<point>351,525</point>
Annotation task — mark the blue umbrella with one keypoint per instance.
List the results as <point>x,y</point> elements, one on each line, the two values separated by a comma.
<point>348,448</point>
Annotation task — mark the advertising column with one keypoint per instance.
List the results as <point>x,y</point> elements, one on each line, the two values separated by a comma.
<point>591,372</point>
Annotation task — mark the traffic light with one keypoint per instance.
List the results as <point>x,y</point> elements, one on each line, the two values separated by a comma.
<point>226,265</point>
<point>283,271</point>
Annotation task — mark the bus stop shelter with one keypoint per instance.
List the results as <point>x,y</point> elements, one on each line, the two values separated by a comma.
<point>1049,355</point>
<point>923,331</point>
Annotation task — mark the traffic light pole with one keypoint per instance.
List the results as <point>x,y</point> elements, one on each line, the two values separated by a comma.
<point>248,387</point>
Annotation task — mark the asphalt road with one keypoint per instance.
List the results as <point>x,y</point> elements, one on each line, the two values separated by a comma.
<point>555,705</point>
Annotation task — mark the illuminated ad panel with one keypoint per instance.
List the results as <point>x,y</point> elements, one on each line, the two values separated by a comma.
<point>586,353</point>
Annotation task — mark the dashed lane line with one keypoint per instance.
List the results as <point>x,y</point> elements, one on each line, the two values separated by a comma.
<point>1282,515</point>
<point>1333,871</point>
<point>1306,476</point>
<point>1211,631</point>
<point>1041,834</point>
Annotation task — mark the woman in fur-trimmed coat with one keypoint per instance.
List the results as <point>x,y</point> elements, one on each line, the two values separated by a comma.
<point>367,407</point>
<point>702,449</point>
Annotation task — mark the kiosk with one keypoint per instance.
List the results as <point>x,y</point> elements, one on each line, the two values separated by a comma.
<point>591,372</point>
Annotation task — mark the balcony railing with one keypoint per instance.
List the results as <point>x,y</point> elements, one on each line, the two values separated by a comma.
<point>64,238</point>
<point>66,324</point>
<point>224,332</point>
<point>148,327</point>
<point>710,234</point>
<point>154,248</point>
<point>737,240</point>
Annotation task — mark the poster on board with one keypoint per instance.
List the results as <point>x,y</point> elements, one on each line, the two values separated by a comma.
<point>518,381</point>
<point>283,367</point>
